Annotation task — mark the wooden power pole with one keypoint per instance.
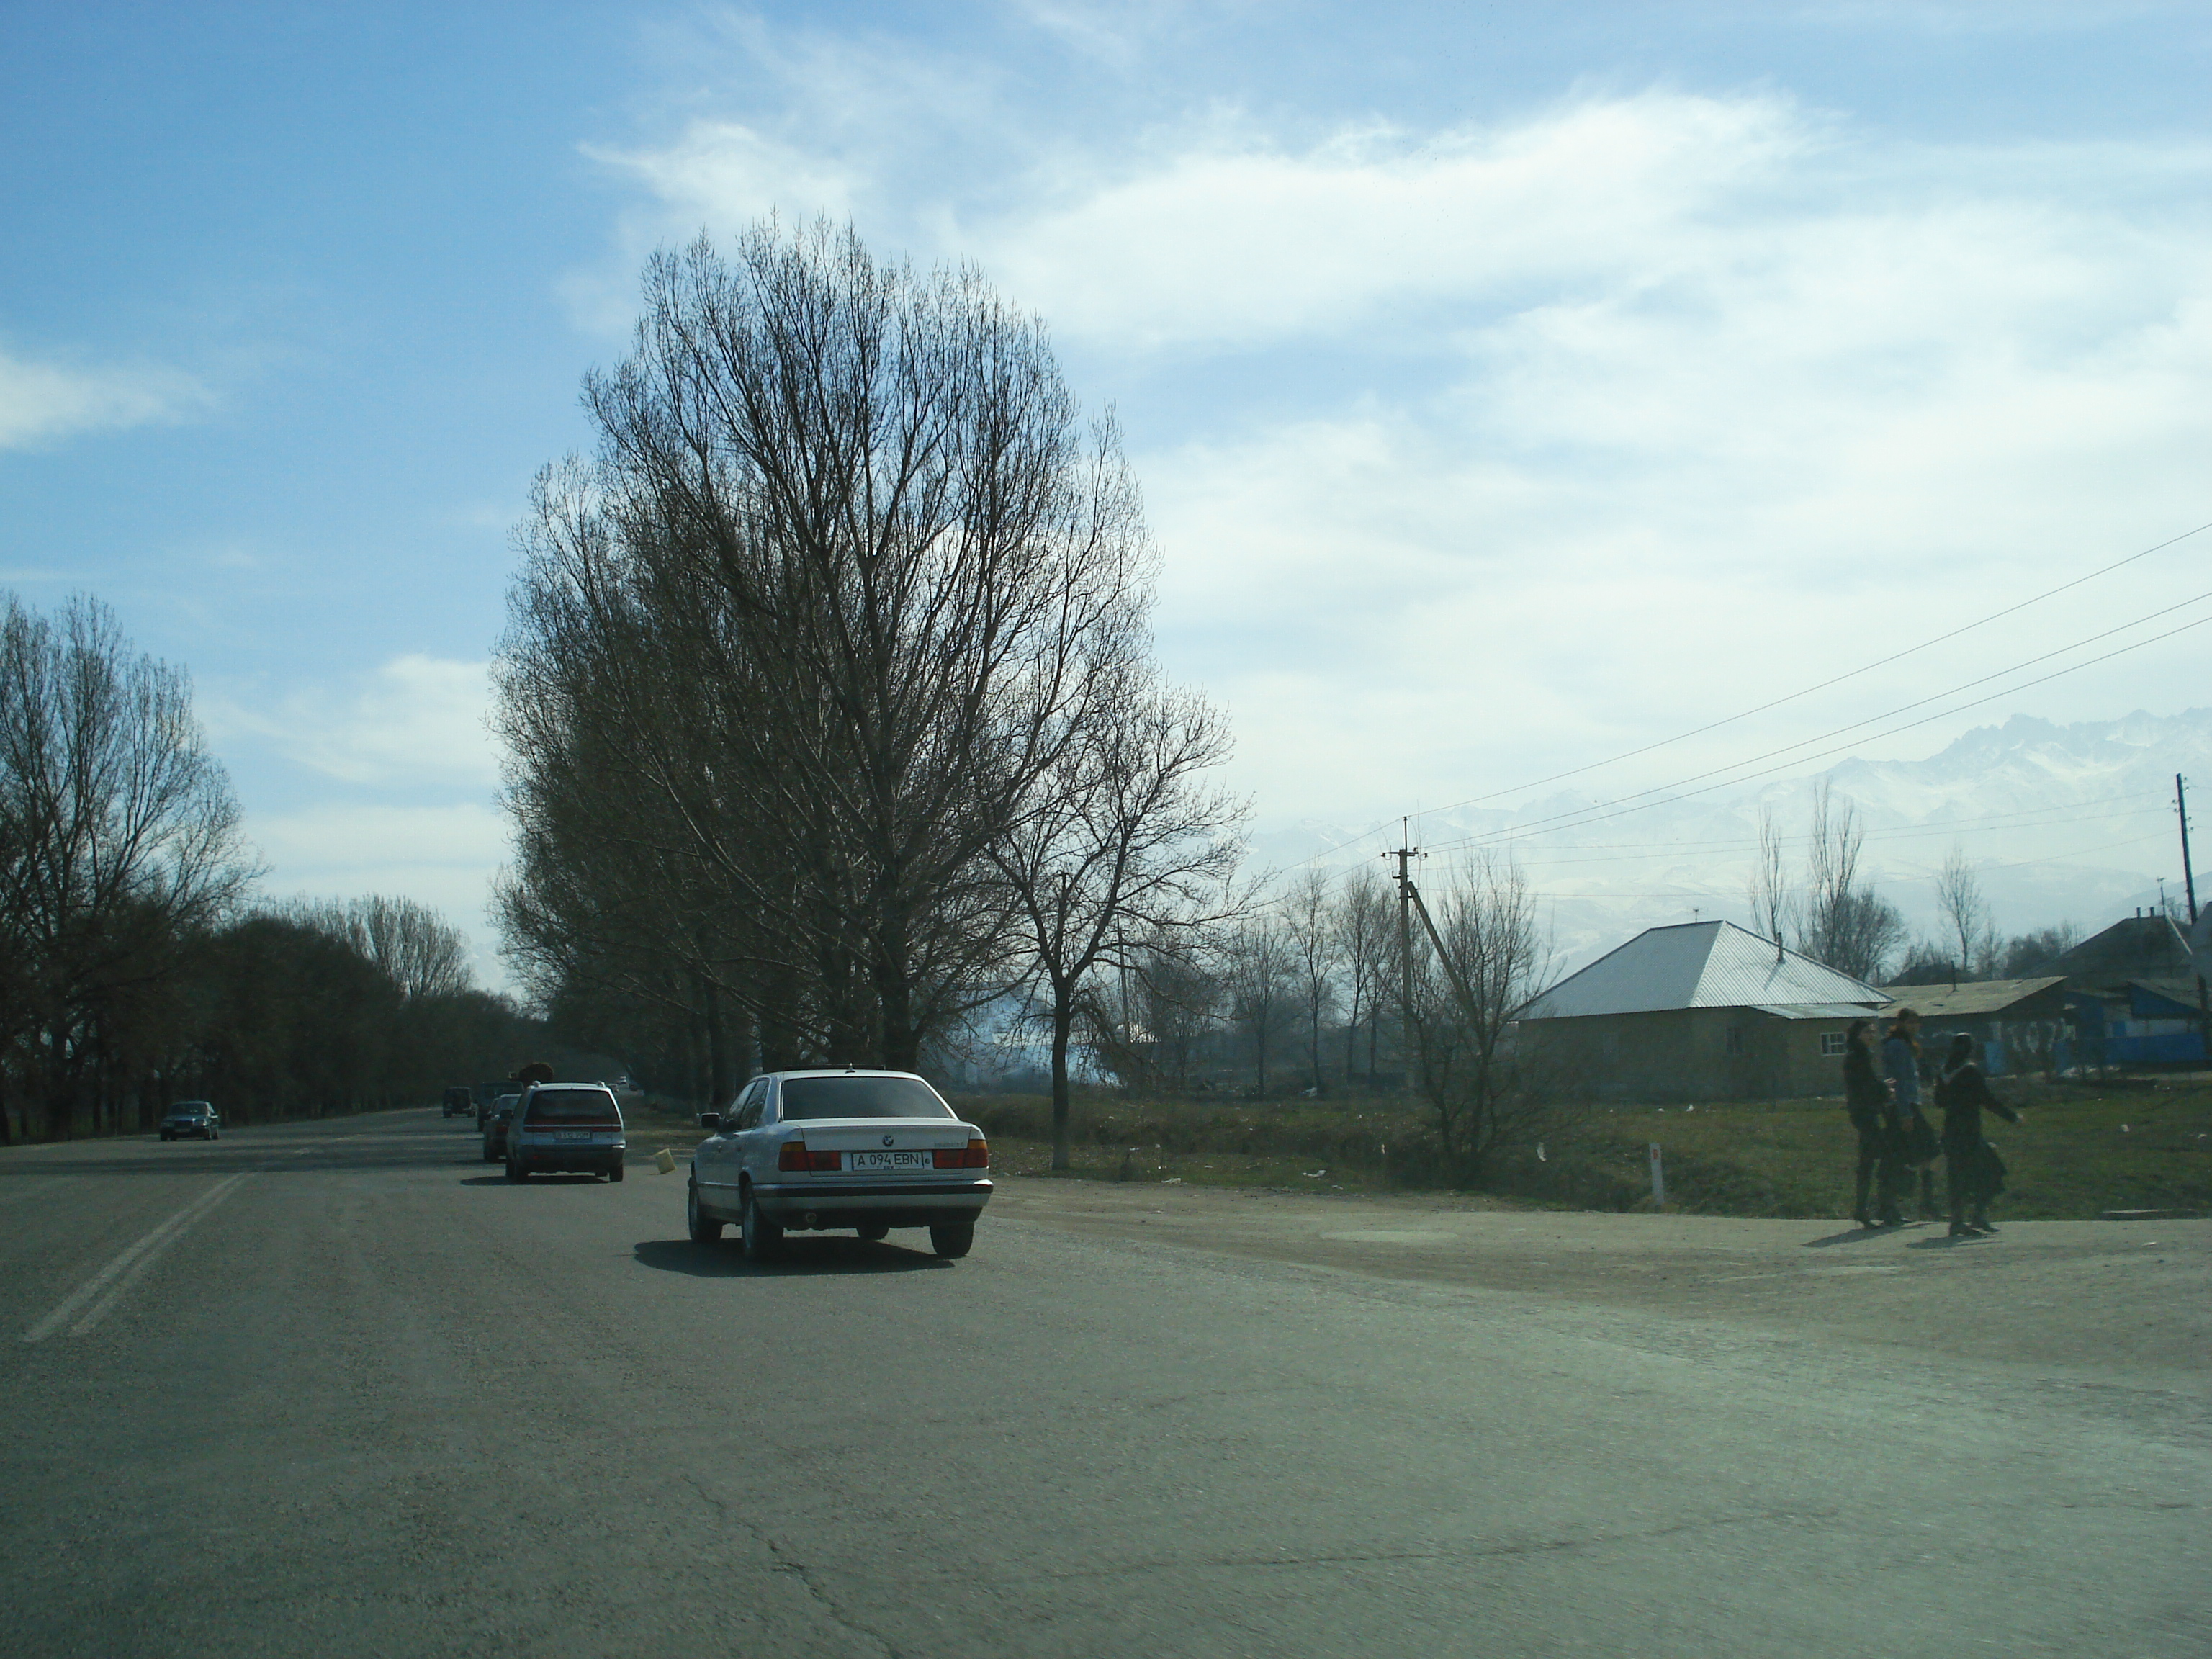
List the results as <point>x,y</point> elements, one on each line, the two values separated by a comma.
<point>1405,853</point>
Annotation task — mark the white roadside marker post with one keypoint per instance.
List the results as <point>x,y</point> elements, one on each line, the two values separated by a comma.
<point>1658,1179</point>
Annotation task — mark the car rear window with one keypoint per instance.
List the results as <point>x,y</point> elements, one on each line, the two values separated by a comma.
<point>860,1096</point>
<point>573,1106</point>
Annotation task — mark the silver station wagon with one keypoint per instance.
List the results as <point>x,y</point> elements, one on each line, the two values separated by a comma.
<point>871,1151</point>
<point>560,1127</point>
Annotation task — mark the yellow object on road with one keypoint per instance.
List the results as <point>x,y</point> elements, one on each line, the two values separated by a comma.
<point>664,1161</point>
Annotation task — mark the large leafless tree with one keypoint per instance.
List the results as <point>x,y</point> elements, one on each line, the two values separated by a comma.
<point>853,573</point>
<point>119,834</point>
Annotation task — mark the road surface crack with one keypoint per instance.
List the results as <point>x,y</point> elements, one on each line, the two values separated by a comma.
<point>784,1563</point>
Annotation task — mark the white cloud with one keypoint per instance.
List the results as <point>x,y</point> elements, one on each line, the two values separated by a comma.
<point>1598,422</point>
<point>39,402</point>
<point>416,719</point>
<point>442,856</point>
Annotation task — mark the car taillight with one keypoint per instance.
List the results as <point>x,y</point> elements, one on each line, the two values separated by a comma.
<point>977,1156</point>
<point>796,1155</point>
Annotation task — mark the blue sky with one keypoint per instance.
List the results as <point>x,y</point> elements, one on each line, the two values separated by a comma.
<point>1511,385</point>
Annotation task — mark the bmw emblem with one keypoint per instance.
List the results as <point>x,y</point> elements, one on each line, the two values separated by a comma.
<point>887,1140</point>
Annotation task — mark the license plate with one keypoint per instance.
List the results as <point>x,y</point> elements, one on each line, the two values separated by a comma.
<point>575,1134</point>
<point>882,1161</point>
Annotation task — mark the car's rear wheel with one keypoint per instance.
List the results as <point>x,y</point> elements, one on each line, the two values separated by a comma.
<point>951,1238</point>
<point>874,1232</point>
<point>705,1229</point>
<point>514,1170</point>
<point>763,1237</point>
<point>616,1173</point>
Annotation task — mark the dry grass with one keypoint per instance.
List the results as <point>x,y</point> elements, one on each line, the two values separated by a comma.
<point>2080,1151</point>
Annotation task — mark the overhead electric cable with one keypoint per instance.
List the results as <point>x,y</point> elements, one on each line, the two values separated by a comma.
<point>1805,691</point>
<point>1674,791</point>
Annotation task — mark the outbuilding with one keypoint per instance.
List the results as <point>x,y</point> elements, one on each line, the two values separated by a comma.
<point>1701,1011</point>
<point>2016,1023</point>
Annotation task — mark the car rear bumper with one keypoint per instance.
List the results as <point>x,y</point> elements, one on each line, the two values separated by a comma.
<point>882,1204</point>
<point>568,1159</point>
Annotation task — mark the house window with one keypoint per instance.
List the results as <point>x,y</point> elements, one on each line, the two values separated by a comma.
<point>1832,1043</point>
<point>1735,1041</point>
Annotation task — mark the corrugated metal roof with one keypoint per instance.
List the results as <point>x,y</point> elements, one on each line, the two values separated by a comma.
<point>1812,1010</point>
<point>1700,964</point>
<point>1984,996</point>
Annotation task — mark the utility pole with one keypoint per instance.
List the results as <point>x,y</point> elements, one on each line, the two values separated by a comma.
<point>2189,887</point>
<point>1405,853</point>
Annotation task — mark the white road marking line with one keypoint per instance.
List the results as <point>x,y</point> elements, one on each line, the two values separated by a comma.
<point>127,1265</point>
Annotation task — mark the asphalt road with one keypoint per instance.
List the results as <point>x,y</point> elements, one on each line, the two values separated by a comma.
<point>337,1389</point>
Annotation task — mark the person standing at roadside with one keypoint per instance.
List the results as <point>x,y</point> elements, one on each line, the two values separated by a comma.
<point>1900,1064</point>
<point>1971,1167</point>
<point>1866,1098</point>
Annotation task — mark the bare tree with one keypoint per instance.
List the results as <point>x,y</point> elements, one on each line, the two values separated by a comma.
<point>1145,1023</point>
<point>424,954</point>
<point>1959,895</point>
<point>1364,920</point>
<point>1257,966</point>
<point>1846,924</point>
<point>1769,887</point>
<point>1308,928</point>
<point>860,571</point>
<point>1123,854</point>
<point>119,831</point>
<point>1487,960</point>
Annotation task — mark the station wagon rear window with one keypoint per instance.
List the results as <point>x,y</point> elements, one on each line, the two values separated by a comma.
<point>859,1096</point>
<point>572,1106</point>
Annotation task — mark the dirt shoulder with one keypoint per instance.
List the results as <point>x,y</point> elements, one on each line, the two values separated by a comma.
<point>2133,1296</point>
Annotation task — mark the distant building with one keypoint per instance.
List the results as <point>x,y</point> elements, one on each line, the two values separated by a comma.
<point>2131,995</point>
<point>2147,945</point>
<point>1702,1011</point>
<point>2016,1023</point>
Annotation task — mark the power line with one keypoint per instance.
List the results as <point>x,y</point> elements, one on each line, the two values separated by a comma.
<point>1806,692</point>
<point>1674,791</point>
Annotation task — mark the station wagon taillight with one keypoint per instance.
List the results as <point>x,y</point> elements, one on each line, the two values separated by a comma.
<point>796,1155</point>
<point>977,1156</point>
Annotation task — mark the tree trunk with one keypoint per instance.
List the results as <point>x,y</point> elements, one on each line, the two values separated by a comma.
<point>721,1087</point>
<point>1063,1021</point>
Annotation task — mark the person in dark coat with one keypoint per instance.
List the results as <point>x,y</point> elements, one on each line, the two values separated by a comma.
<point>1971,1165</point>
<point>1873,1114</point>
<point>1917,1147</point>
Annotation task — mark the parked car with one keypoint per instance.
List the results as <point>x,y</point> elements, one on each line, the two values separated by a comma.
<point>871,1151</point>
<point>565,1127</point>
<point>460,1102</point>
<point>495,1120</point>
<point>192,1118</point>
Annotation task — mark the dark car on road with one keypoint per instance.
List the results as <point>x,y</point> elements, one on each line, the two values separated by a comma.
<point>193,1119</point>
<point>565,1127</point>
<point>496,1120</point>
<point>459,1101</point>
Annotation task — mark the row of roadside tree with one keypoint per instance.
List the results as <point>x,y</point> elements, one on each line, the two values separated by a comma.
<point>139,965</point>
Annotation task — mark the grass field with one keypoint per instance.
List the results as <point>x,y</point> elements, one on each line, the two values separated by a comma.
<point>2080,1150</point>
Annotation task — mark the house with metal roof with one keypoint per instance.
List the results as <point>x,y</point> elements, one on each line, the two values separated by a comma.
<point>2016,1023</point>
<point>1701,1011</point>
<point>2131,995</point>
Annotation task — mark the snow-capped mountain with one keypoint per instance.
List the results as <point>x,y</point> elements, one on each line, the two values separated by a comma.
<point>2062,822</point>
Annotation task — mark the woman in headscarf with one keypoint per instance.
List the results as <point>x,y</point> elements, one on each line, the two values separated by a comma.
<point>1971,1165</point>
<point>1866,1098</point>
